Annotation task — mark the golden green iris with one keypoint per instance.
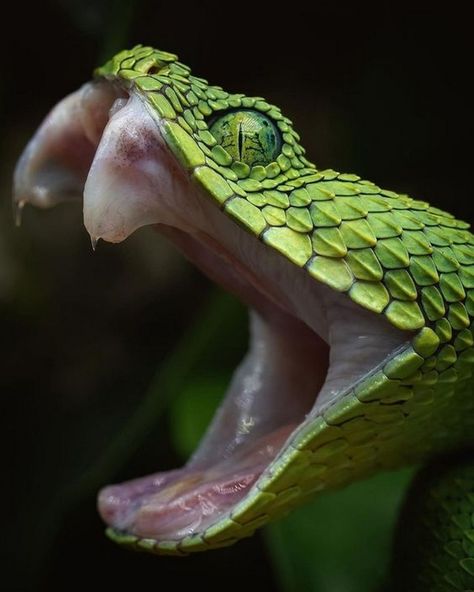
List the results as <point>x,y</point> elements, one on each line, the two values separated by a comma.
<point>248,136</point>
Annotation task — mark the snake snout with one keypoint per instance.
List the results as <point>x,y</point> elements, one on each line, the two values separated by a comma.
<point>103,145</point>
<point>54,166</point>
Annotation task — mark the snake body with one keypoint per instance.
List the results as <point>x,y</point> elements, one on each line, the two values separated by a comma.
<point>395,256</point>
<point>434,544</point>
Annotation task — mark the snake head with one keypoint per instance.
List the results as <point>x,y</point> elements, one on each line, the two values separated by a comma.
<point>361,298</point>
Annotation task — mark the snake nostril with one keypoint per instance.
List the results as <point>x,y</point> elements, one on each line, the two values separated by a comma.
<point>153,70</point>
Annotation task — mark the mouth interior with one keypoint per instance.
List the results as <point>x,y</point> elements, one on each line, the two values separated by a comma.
<point>308,345</point>
<point>269,396</point>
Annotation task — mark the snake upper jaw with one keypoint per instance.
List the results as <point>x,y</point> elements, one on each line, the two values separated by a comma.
<point>109,146</point>
<point>101,145</point>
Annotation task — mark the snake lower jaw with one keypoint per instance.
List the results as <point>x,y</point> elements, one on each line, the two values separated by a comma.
<point>176,504</point>
<point>304,336</point>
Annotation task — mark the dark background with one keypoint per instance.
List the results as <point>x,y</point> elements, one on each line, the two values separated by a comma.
<point>382,92</point>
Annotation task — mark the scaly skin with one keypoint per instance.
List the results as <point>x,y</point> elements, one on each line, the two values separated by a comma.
<point>389,253</point>
<point>434,546</point>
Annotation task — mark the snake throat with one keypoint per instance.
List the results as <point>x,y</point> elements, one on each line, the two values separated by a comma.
<point>309,345</point>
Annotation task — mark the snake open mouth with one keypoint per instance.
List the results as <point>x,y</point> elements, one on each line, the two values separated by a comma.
<point>309,344</point>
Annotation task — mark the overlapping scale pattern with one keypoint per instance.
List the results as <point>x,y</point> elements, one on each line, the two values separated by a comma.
<point>440,511</point>
<point>389,253</point>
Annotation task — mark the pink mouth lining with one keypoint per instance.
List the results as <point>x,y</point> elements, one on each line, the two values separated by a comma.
<point>303,335</point>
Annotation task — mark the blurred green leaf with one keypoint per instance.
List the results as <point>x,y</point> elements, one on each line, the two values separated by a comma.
<point>341,542</point>
<point>192,411</point>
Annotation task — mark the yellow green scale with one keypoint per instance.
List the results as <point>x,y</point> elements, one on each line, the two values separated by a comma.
<point>391,254</point>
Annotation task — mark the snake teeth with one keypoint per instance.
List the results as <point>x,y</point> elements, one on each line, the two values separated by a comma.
<point>131,177</point>
<point>55,163</point>
<point>102,145</point>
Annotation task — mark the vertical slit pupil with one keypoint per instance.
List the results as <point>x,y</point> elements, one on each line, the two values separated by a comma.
<point>241,141</point>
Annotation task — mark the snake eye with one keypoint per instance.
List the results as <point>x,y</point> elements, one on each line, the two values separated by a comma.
<point>248,136</point>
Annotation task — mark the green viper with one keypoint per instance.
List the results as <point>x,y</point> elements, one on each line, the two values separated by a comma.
<point>362,299</point>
